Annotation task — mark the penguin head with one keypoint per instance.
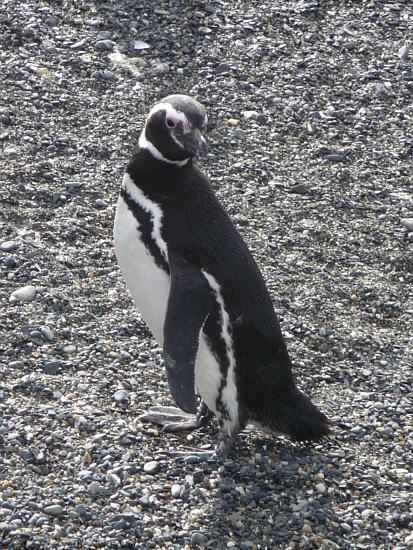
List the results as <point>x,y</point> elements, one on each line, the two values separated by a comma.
<point>174,129</point>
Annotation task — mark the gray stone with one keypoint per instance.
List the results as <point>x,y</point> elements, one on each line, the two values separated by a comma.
<point>94,488</point>
<point>24,294</point>
<point>105,45</point>
<point>299,189</point>
<point>70,348</point>
<point>53,510</point>
<point>8,246</point>
<point>177,491</point>
<point>47,333</point>
<point>223,68</point>
<point>100,203</point>
<point>52,21</point>
<point>121,395</point>
<point>239,133</point>
<point>403,53</point>
<point>152,467</point>
<point>10,261</point>
<point>198,538</point>
<point>407,223</point>
<point>277,137</point>
<point>52,367</point>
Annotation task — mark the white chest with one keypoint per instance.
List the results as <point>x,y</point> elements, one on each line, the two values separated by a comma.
<point>149,286</point>
<point>147,283</point>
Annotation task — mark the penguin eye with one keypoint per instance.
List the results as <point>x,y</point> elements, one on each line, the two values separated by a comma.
<point>170,123</point>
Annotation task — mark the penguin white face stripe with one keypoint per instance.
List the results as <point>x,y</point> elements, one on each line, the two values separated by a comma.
<point>172,113</point>
<point>146,144</point>
<point>149,206</point>
<point>229,392</point>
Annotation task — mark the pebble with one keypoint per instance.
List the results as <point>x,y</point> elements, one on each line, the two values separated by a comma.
<point>52,21</point>
<point>47,333</point>
<point>299,189</point>
<point>10,261</point>
<point>320,487</point>
<point>239,133</point>
<point>223,68</point>
<point>69,349</point>
<point>198,538</point>
<point>277,137</point>
<point>121,395</point>
<point>8,246</point>
<point>107,75</point>
<point>52,367</point>
<point>105,45</point>
<point>24,294</point>
<point>53,510</point>
<point>249,114</point>
<point>152,467</point>
<point>94,488</point>
<point>407,223</point>
<point>177,490</point>
<point>403,53</point>
<point>100,203</point>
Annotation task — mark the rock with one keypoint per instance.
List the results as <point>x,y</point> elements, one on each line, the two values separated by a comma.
<point>403,53</point>
<point>239,133</point>
<point>8,246</point>
<point>52,21</point>
<point>107,75</point>
<point>152,467</point>
<point>140,45</point>
<point>407,223</point>
<point>52,367</point>
<point>24,294</point>
<point>105,45</point>
<point>320,487</point>
<point>177,490</point>
<point>121,395</point>
<point>100,203</point>
<point>249,114</point>
<point>70,348</point>
<point>223,68</point>
<point>53,510</point>
<point>198,538</point>
<point>277,137</point>
<point>10,261</point>
<point>94,488</point>
<point>299,189</point>
<point>47,333</point>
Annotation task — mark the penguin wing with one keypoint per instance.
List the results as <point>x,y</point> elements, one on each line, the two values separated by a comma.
<point>189,304</point>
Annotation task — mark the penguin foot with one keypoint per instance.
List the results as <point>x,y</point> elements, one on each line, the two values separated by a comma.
<point>225,441</point>
<point>173,419</point>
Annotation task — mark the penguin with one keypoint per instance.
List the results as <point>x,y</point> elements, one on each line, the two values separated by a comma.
<point>200,291</point>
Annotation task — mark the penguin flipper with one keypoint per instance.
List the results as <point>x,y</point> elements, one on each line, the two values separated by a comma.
<point>189,304</point>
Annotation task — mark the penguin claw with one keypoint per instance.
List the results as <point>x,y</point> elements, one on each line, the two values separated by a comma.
<point>171,419</point>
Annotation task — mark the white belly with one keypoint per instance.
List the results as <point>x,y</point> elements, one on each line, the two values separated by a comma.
<point>147,283</point>
<point>149,288</point>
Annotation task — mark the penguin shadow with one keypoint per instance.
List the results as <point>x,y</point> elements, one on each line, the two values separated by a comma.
<point>271,493</point>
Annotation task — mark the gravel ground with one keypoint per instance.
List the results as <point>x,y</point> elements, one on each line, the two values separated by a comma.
<point>311,152</point>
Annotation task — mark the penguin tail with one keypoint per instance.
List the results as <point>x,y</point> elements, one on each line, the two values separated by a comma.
<point>298,417</point>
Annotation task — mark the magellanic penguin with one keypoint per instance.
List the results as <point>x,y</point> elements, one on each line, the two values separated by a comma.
<point>200,291</point>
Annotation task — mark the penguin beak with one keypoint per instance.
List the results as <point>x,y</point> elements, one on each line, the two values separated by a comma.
<point>194,143</point>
